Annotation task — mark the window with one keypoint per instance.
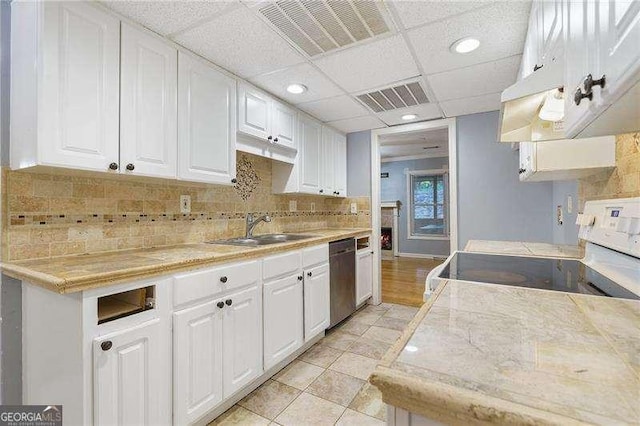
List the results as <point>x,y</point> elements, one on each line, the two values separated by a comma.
<point>428,206</point>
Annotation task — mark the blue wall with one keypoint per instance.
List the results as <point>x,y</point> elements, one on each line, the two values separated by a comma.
<point>567,233</point>
<point>359,164</point>
<point>394,188</point>
<point>492,203</point>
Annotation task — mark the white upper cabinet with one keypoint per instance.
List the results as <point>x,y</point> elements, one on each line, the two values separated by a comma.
<point>148,114</point>
<point>283,120</point>
<point>254,108</point>
<point>544,36</point>
<point>206,122</point>
<point>64,85</point>
<point>309,160</point>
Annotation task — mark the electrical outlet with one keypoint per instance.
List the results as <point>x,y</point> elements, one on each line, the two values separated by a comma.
<point>185,204</point>
<point>313,207</point>
<point>354,208</point>
<point>569,204</point>
<point>293,205</point>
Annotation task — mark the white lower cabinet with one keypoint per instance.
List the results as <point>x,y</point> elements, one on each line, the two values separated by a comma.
<point>316,300</point>
<point>197,361</point>
<point>283,318</point>
<point>242,337</point>
<point>129,380</point>
<point>364,276</point>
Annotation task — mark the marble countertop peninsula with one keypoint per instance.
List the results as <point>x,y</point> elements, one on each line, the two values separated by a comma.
<point>524,248</point>
<point>484,353</point>
<point>70,274</point>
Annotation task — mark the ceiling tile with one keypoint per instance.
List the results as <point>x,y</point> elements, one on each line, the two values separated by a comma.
<point>318,86</point>
<point>370,65</point>
<point>501,29</point>
<point>241,43</point>
<point>413,13</point>
<point>423,112</point>
<point>476,80</point>
<point>332,109</point>
<point>357,124</point>
<point>166,17</point>
<point>472,105</point>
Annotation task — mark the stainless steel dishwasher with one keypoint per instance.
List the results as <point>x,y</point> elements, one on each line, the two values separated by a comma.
<point>342,275</point>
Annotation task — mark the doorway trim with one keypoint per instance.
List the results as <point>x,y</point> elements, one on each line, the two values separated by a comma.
<point>450,125</point>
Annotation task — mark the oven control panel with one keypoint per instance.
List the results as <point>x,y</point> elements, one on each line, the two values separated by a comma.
<point>612,223</point>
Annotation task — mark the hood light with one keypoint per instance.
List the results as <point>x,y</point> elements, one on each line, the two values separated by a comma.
<point>553,106</point>
<point>465,45</point>
<point>296,88</point>
<point>409,117</point>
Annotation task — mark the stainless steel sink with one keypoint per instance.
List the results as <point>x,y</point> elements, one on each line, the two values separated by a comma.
<point>261,240</point>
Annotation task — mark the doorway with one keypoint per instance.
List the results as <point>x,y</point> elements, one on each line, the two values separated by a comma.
<point>414,206</point>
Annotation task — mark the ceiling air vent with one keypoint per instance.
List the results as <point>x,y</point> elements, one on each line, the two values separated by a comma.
<point>319,26</point>
<point>401,96</point>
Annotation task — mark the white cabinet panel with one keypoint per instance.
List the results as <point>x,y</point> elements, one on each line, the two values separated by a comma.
<point>79,96</point>
<point>284,120</point>
<point>242,330</point>
<point>316,301</point>
<point>327,176</point>
<point>283,318</point>
<point>364,276</point>
<point>254,110</point>
<point>207,122</point>
<point>197,361</point>
<point>130,377</point>
<point>148,140</point>
<point>310,154</point>
<point>620,46</point>
<point>340,165</point>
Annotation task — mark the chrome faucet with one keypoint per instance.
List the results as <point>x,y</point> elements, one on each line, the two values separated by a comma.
<point>252,222</point>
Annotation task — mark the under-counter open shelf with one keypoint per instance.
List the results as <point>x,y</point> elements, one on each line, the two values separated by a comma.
<point>119,305</point>
<point>363,243</point>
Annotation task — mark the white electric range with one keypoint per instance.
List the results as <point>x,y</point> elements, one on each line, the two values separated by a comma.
<point>610,267</point>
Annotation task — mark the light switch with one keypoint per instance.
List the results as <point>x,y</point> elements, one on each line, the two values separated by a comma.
<point>354,208</point>
<point>293,205</point>
<point>185,204</point>
<point>313,207</point>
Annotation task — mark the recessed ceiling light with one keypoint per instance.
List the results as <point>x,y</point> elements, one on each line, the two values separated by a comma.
<point>409,117</point>
<point>465,45</point>
<point>296,88</point>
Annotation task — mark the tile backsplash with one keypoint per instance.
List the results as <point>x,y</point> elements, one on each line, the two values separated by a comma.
<point>52,214</point>
<point>621,182</point>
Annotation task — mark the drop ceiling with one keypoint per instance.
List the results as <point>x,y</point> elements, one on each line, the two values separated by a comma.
<point>388,44</point>
<point>416,145</point>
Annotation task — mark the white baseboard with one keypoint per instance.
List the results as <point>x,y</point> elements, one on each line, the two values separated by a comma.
<point>423,256</point>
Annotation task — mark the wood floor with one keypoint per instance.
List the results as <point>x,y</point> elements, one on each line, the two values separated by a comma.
<point>403,279</point>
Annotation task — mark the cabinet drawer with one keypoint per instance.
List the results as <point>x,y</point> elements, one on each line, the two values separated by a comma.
<point>207,283</point>
<point>315,255</point>
<point>281,264</point>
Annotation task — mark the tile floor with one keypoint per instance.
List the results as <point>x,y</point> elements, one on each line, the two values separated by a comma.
<point>327,385</point>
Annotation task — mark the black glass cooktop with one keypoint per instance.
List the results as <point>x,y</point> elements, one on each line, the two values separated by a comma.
<point>571,276</point>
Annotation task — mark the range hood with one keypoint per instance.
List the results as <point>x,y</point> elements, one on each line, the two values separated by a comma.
<point>532,109</point>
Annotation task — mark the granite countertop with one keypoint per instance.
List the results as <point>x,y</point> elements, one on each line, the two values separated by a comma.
<point>484,353</point>
<point>524,248</point>
<point>82,272</point>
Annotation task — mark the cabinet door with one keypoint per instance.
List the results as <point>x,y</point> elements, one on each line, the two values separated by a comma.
<point>316,301</point>
<point>364,276</point>
<point>620,38</point>
<point>531,55</point>
<point>148,111</point>
<point>310,153</point>
<point>340,165</point>
<point>254,112</point>
<point>327,177</point>
<point>80,90</point>
<point>242,329</point>
<point>197,361</point>
<point>581,58</point>
<point>206,123</point>
<point>527,152</point>
<point>283,318</point>
<point>283,121</point>
<point>550,22</point>
<point>131,378</point>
